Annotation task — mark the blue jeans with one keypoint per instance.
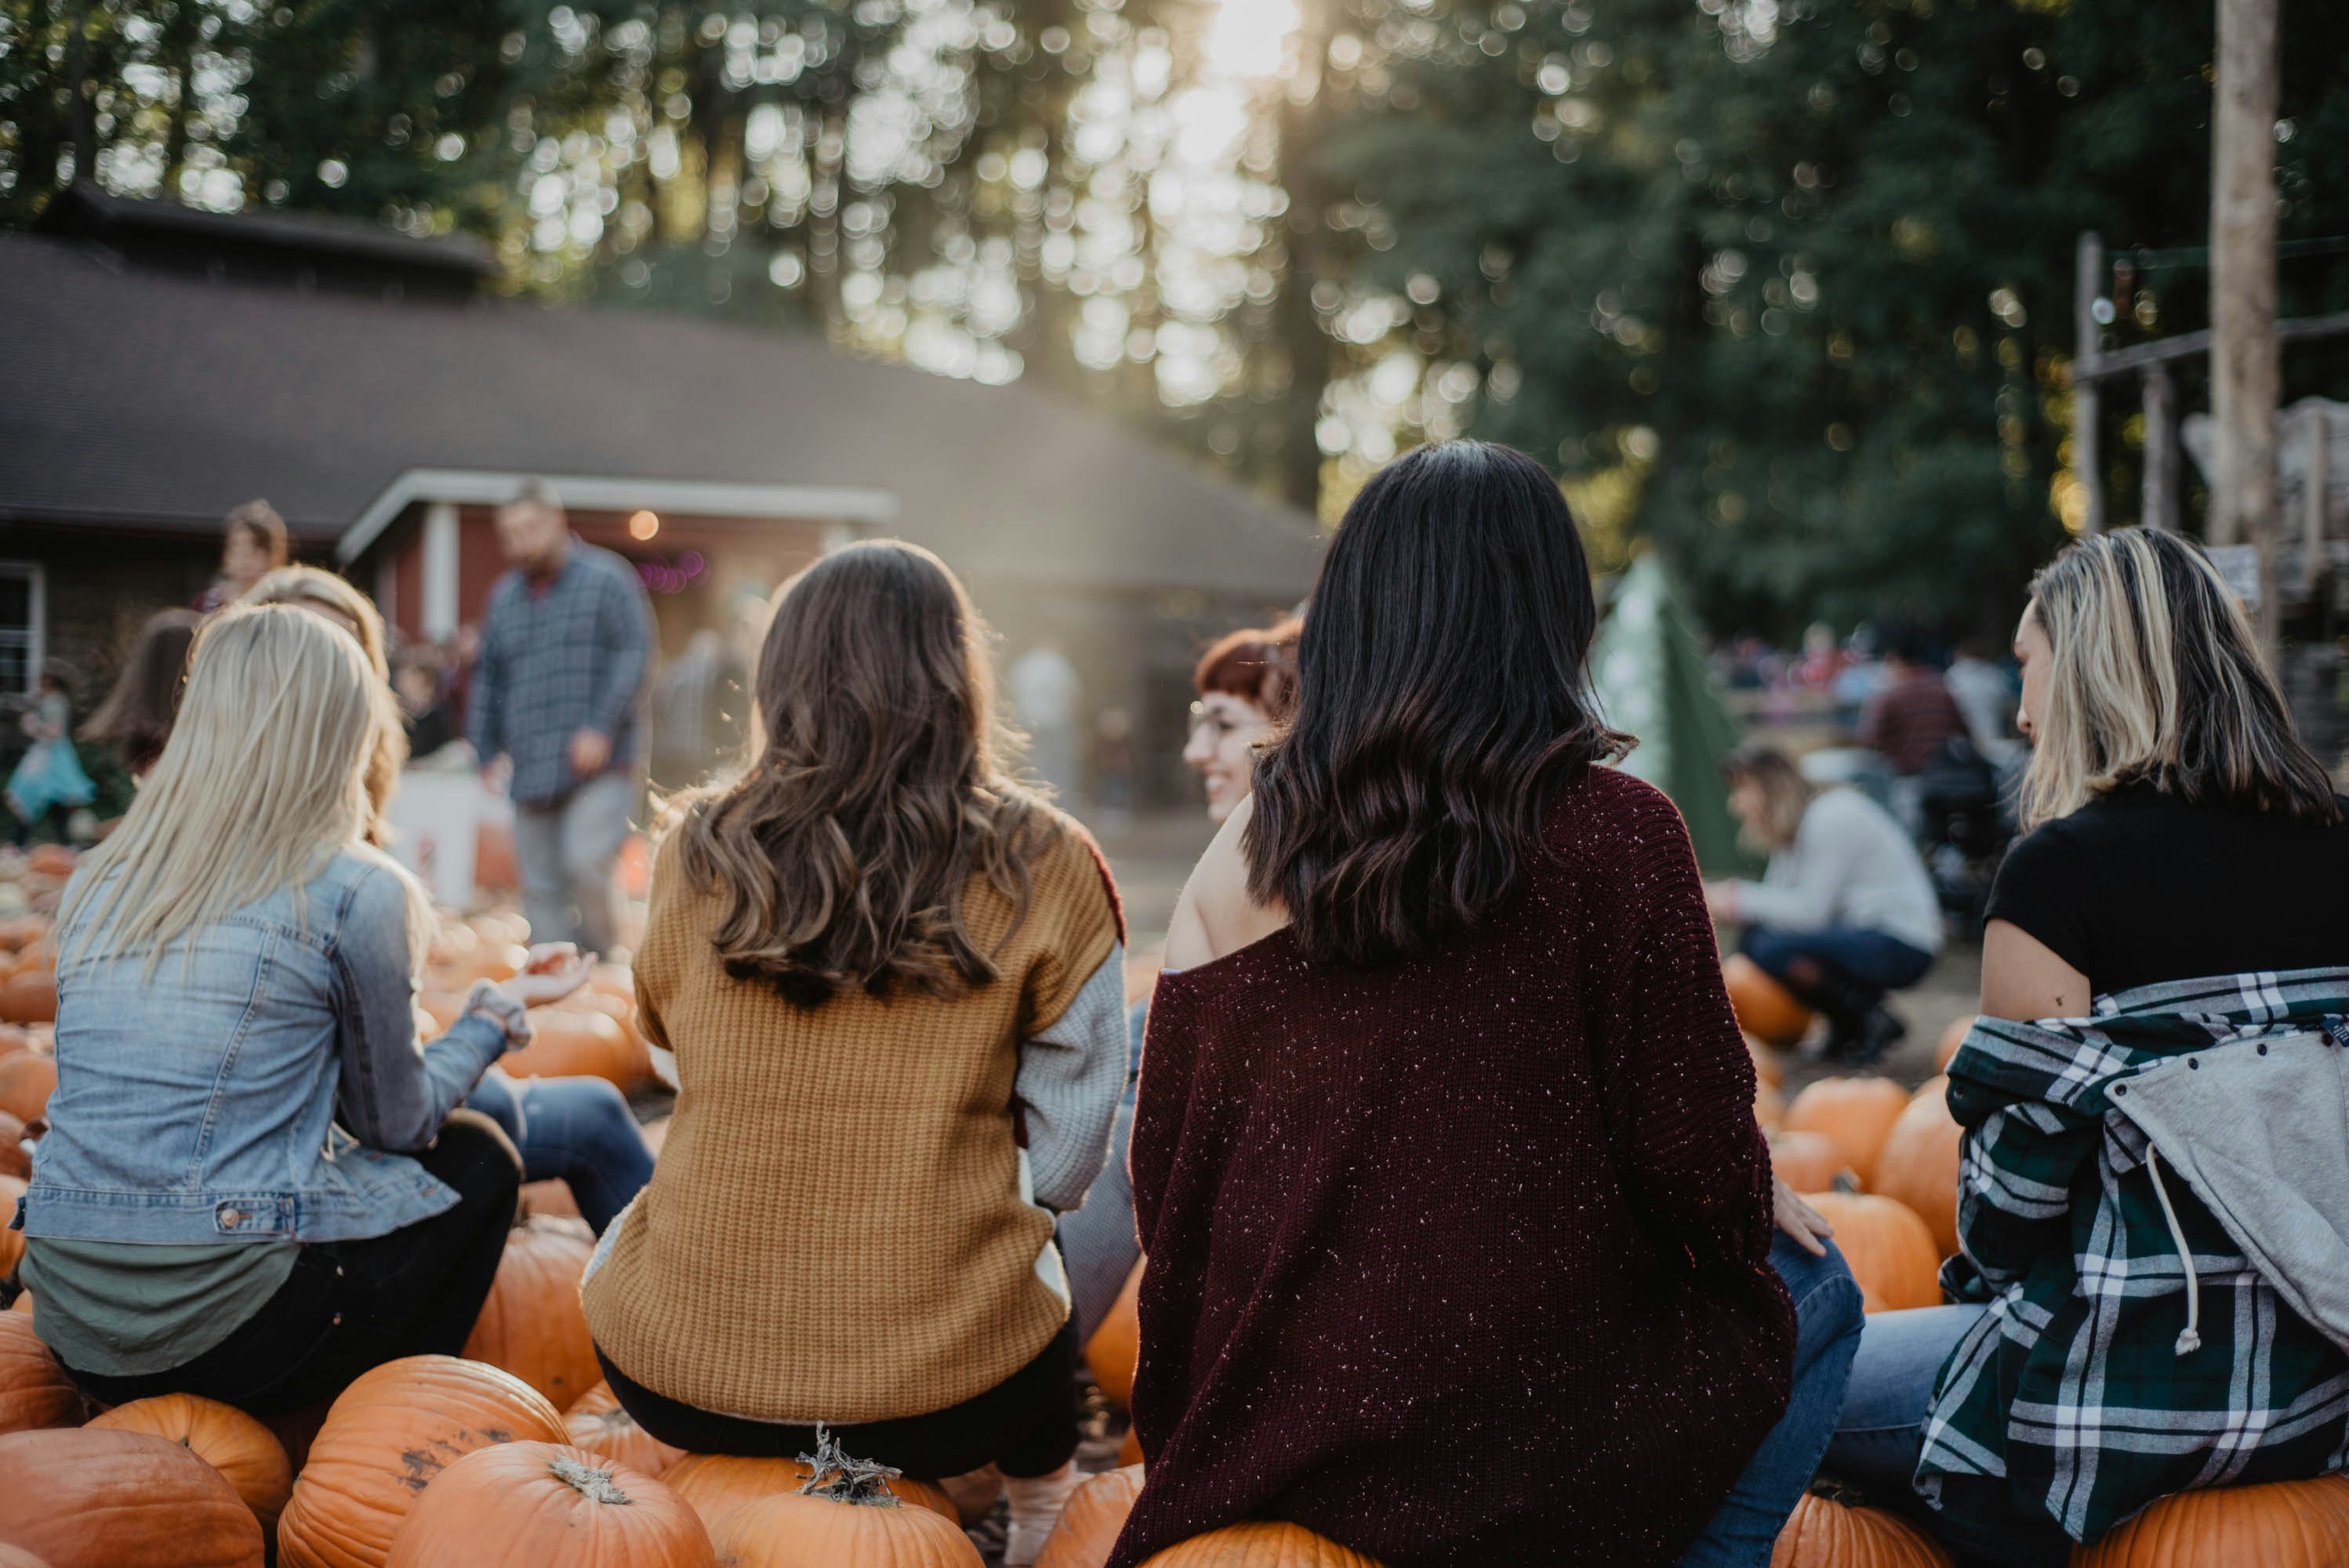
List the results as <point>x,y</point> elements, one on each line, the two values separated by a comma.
<point>1745,1530</point>
<point>577,1130</point>
<point>1879,1437</point>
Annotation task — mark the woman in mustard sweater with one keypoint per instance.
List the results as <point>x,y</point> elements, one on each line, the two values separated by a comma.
<point>892,977</point>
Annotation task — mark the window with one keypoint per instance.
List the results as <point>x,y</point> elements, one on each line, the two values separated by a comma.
<point>21,608</point>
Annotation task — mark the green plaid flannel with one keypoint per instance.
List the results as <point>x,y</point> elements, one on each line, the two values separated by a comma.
<point>2069,1393</point>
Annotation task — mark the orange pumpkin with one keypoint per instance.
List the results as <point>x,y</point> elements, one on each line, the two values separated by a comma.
<point>244,1450</point>
<point>1129,1449</point>
<point>1764,1009</point>
<point>14,1160</point>
<point>12,1242</point>
<point>389,1434</point>
<point>505,927</point>
<point>34,1391</point>
<point>1857,1113</point>
<point>1090,1525</point>
<point>844,1514</point>
<point>1952,1038</point>
<point>1807,1161</point>
<point>1769,1066</point>
<point>1890,1252</point>
<point>1259,1545</point>
<point>550,1503</point>
<point>17,1557</point>
<point>29,996</point>
<point>22,930</point>
<point>617,981</point>
<point>52,860</point>
<point>27,1078</point>
<point>574,1043</point>
<point>599,1425</point>
<point>443,1007</point>
<point>1769,1107</point>
<point>1823,1534</point>
<point>1919,1164</point>
<point>718,1484</point>
<point>2280,1524</point>
<point>1116,1344</point>
<point>122,1500</point>
<point>547,1201</point>
<point>532,1324</point>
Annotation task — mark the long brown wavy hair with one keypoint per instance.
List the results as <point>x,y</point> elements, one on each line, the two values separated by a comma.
<point>875,790</point>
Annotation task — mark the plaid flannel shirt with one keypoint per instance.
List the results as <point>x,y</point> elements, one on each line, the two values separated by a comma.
<point>2070,1394</point>
<point>573,657</point>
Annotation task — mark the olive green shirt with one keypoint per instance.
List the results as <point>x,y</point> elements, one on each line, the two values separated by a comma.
<point>124,1309</point>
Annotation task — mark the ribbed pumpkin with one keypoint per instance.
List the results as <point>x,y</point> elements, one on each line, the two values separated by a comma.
<point>121,1499</point>
<point>547,1201</point>
<point>599,1425</point>
<point>1919,1166</point>
<point>389,1434</point>
<point>1856,1113</point>
<point>567,1042</point>
<point>29,996</point>
<point>1088,1525</point>
<point>27,1078</point>
<point>14,1160</point>
<point>548,1505</point>
<point>17,1557</point>
<point>1259,1545</point>
<point>246,1453</point>
<point>2281,1525</point>
<point>1823,1534</point>
<point>1889,1250</point>
<point>1116,1344</point>
<point>845,1516</point>
<point>34,1391</point>
<point>532,1324</point>
<point>718,1484</point>
<point>19,932</point>
<point>1765,1009</point>
<point>1807,1161</point>
<point>12,1242</point>
<point>1952,1038</point>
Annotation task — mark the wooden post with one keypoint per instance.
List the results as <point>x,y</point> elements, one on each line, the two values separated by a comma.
<point>2160,507</point>
<point>2087,401</point>
<point>2313,521</point>
<point>2245,373</point>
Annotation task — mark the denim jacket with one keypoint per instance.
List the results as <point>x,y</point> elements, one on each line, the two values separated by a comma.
<point>199,1102</point>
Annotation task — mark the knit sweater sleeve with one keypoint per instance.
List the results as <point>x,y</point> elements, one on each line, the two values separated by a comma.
<point>1677,1080</point>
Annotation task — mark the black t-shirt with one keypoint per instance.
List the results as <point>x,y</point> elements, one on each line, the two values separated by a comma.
<point>2141,887</point>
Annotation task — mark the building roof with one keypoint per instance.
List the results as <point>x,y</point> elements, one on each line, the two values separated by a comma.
<point>82,211</point>
<point>131,397</point>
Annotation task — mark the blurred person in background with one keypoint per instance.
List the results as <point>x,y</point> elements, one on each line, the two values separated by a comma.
<point>1985,693</point>
<point>429,719</point>
<point>1845,912</point>
<point>253,544</point>
<point>49,783</point>
<point>135,719</point>
<point>1247,682</point>
<point>566,642</point>
<point>1044,691</point>
<point>1908,722</point>
<point>698,709</point>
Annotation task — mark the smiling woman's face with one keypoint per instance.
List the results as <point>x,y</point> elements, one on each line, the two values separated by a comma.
<point>1223,730</point>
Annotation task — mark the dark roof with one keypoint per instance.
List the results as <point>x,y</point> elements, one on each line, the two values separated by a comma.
<point>129,396</point>
<point>82,211</point>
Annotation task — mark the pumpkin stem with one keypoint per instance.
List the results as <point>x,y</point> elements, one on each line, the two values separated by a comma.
<point>594,1485</point>
<point>1846,1181</point>
<point>861,1482</point>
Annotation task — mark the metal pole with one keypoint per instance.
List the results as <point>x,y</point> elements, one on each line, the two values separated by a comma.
<point>2160,508</point>
<point>2087,403</point>
<point>2245,373</point>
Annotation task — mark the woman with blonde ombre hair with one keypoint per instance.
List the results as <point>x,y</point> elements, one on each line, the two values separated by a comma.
<point>255,1185</point>
<point>2165,974</point>
<point>324,594</point>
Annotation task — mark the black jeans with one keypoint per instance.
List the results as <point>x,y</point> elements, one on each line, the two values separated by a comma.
<point>348,1307</point>
<point>1027,1424</point>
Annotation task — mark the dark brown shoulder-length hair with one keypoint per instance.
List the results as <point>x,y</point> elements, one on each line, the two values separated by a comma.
<point>137,716</point>
<point>875,790</point>
<point>1442,703</point>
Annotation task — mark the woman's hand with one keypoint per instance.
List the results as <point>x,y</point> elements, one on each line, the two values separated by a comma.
<point>554,970</point>
<point>1799,1219</point>
<point>1720,899</point>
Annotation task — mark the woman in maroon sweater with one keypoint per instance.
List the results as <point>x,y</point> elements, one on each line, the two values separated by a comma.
<point>1459,1224</point>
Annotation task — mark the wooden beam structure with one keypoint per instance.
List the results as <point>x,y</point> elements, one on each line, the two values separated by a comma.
<point>2245,362</point>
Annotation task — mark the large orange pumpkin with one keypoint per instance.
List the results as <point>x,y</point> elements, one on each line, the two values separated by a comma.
<point>548,1503</point>
<point>22,930</point>
<point>1807,1161</point>
<point>1890,1252</point>
<point>1952,1038</point>
<point>599,1424</point>
<point>14,1160</point>
<point>1769,1106</point>
<point>844,1514</point>
<point>1769,1065</point>
<point>34,1391</point>
<point>121,1499</point>
<point>1856,1113</point>
<point>29,996</point>
<point>1919,1164</point>
<point>27,1078</point>
<point>17,1557</point>
<point>532,1324</point>
<point>1823,1534</point>
<point>1259,1545</point>
<point>1764,1009</point>
<point>245,1452</point>
<point>2280,1524</point>
<point>12,1242</point>
<point>1116,1344</point>
<point>718,1484</point>
<point>388,1435</point>
<point>578,1042</point>
<point>52,860</point>
<point>1090,1523</point>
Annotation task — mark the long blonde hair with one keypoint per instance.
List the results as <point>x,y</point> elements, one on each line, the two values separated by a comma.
<point>263,779</point>
<point>301,585</point>
<point>1786,796</point>
<point>2157,679</point>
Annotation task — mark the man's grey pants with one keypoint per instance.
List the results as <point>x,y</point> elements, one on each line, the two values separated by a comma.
<point>567,848</point>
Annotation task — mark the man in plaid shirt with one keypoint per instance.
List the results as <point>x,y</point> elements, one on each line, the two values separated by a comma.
<point>565,646</point>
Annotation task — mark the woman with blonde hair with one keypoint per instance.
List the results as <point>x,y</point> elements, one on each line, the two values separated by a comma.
<point>325,594</point>
<point>2163,985</point>
<point>255,1185</point>
<point>892,979</point>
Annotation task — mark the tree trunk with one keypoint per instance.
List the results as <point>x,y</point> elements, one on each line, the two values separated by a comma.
<point>2244,359</point>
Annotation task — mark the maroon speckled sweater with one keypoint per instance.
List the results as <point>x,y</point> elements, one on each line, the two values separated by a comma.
<point>1463,1261</point>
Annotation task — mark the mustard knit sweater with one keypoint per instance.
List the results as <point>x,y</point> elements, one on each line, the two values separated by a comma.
<point>835,1229</point>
